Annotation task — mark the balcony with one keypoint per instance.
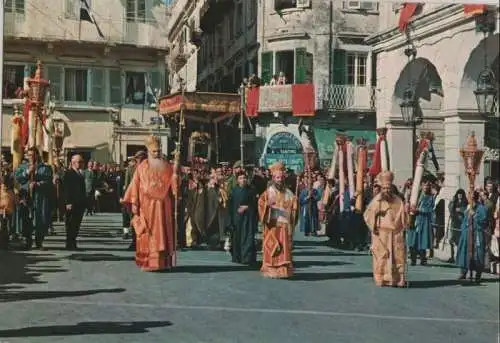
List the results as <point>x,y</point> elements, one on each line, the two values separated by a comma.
<point>27,26</point>
<point>347,98</point>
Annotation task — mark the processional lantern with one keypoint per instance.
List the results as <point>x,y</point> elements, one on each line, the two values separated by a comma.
<point>38,87</point>
<point>409,106</point>
<point>472,157</point>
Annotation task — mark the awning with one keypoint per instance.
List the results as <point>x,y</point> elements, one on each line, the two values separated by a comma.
<point>201,106</point>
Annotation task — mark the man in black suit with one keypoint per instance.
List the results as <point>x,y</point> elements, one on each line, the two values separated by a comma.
<point>75,196</point>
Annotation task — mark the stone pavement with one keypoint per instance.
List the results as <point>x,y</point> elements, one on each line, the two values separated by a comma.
<point>98,295</point>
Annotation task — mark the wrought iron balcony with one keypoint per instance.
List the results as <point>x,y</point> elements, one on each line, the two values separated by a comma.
<point>346,98</point>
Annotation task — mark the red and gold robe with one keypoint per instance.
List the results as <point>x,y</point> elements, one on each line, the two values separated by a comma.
<point>388,245</point>
<point>151,192</point>
<point>279,223</point>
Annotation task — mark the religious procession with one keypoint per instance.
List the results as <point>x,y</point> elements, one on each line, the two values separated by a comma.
<point>169,205</point>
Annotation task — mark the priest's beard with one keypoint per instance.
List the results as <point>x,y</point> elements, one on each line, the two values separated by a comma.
<point>157,164</point>
<point>280,186</point>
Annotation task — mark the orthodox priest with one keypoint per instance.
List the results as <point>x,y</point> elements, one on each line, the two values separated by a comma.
<point>150,195</point>
<point>278,211</point>
<point>386,217</point>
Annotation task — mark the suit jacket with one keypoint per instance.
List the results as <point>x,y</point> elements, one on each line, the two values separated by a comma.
<point>74,188</point>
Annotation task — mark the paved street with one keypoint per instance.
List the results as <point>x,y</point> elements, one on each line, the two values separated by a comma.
<point>98,295</point>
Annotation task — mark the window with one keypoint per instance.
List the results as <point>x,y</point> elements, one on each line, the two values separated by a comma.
<point>13,81</point>
<point>280,5</point>
<point>356,69</point>
<point>253,11</point>
<point>14,6</point>
<point>54,75</point>
<point>72,9</point>
<point>135,83</point>
<point>75,84</point>
<point>361,5</point>
<point>136,10</point>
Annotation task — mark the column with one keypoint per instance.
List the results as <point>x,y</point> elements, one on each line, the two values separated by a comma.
<point>457,127</point>
<point>400,144</point>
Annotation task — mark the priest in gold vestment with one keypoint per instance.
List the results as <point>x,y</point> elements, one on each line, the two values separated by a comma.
<point>151,195</point>
<point>387,218</point>
<point>278,213</point>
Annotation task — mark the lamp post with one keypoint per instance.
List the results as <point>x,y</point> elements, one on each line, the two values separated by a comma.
<point>409,105</point>
<point>486,92</point>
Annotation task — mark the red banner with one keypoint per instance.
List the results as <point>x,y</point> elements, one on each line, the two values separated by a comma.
<point>252,103</point>
<point>473,10</point>
<point>407,12</point>
<point>303,102</point>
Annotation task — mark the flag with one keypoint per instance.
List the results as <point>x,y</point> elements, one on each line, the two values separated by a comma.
<point>86,15</point>
<point>407,12</point>
<point>473,10</point>
<point>149,95</point>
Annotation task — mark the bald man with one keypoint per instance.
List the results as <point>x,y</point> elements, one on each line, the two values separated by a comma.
<point>75,196</point>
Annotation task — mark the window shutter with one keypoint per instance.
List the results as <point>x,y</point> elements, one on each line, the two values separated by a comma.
<point>156,81</point>
<point>98,86</point>
<point>115,87</point>
<point>300,65</point>
<point>266,67</point>
<point>339,67</point>
<point>54,75</point>
<point>20,6</point>
<point>309,66</point>
<point>70,9</point>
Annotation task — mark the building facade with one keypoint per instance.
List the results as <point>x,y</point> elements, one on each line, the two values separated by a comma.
<point>99,77</point>
<point>318,42</point>
<point>450,54</point>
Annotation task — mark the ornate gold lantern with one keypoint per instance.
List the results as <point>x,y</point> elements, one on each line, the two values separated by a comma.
<point>472,157</point>
<point>38,87</point>
<point>58,135</point>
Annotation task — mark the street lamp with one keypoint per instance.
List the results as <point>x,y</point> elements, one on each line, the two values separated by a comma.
<point>486,92</point>
<point>409,105</point>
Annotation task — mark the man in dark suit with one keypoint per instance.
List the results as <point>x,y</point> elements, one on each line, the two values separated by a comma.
<point>75,196</point>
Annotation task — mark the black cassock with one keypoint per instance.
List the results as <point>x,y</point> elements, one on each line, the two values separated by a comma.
<point>244,225</point>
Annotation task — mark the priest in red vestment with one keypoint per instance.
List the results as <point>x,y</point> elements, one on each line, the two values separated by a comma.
<point>151,195</point>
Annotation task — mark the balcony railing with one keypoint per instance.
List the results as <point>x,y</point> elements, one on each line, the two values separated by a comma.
<point>348,98</point>
<point>146,34</point>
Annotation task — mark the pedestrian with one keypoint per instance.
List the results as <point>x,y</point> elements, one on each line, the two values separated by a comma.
<point>75,196</point>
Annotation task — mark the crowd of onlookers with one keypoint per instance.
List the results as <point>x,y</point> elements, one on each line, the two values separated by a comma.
<point>105,185</point>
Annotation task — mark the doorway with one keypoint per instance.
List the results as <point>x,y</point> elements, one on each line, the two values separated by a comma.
<point>132,149</point>
<point>85,153</point>
<point>285,64</point>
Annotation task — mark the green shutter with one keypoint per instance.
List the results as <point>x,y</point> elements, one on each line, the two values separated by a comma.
<point>155,77</point>
<point>98,86</point>
<point>339,67</point>
<point>300,65</point>
<point>266,67</point>
<point>54,75</point>
<point>115,87</point>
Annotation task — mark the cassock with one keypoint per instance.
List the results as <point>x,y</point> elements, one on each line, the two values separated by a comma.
<point>152,193</point>
<point>421,237</point>
<point>471,245</point>
<point>243,225</point>
<point>309,212</point>
<point>387,221</point>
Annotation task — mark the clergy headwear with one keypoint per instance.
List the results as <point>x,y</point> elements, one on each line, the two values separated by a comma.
<point>386,178</point>
<point>277,167</point>
<point>153,143</point>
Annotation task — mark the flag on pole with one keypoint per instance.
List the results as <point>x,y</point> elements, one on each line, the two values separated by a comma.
<point>86,15</point>
<point>149,96</point>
